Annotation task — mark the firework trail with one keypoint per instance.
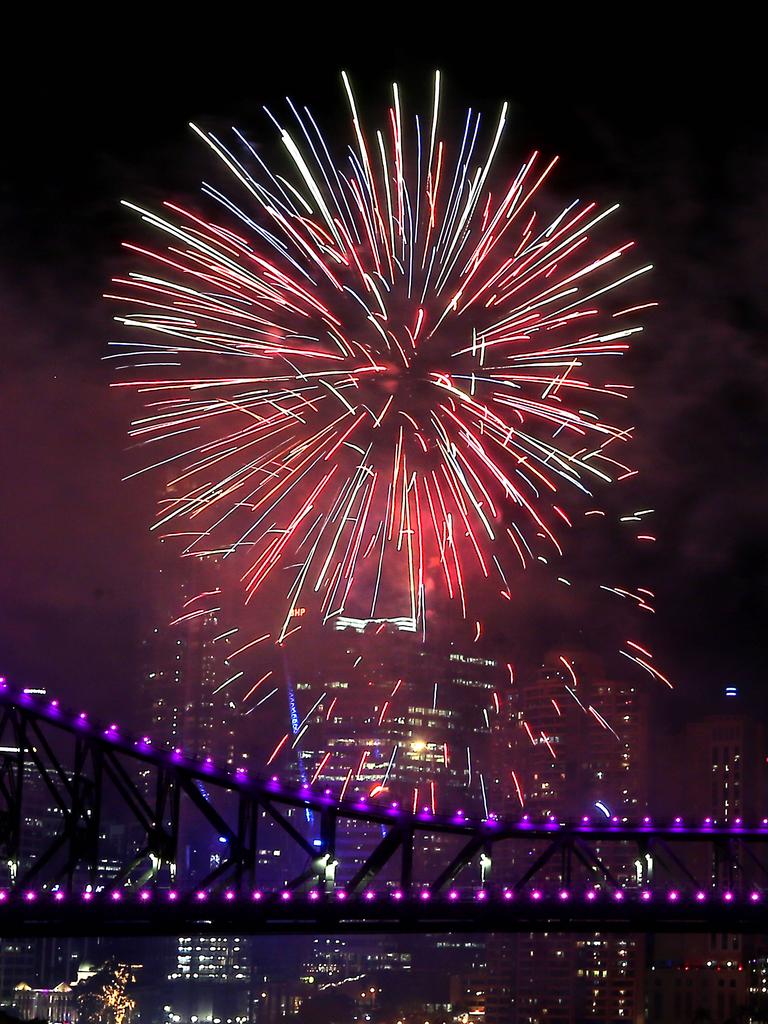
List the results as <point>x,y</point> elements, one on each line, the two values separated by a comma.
<point>379,379</point>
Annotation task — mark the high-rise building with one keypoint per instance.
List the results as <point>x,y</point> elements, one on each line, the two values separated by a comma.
<point>708,991</point>
<point>757,987</point>
<point>211,977</point>
<point>610,979</point>
<point>579,745</point>
<point>385,713</point>
<point>725,766</point>
<point>720,760</point>
<point>183,703</point>
<point>582,740</point>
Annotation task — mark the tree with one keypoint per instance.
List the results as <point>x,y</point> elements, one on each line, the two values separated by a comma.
<point>104,997</point>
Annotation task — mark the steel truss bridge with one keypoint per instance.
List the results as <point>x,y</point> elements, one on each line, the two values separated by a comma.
<point>64,875</point>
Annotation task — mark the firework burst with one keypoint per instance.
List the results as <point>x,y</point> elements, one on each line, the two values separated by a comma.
<point>375,376</point>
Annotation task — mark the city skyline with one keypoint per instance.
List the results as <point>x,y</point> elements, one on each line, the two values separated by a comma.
<point>708,563</point>
<point>537,795</point>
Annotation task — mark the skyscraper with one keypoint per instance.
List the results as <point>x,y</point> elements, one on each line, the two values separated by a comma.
<point>579,746</point>
<point>385,713</point>
<point>725,766</point>
<point>184,665</point>
<point>183,706</point>
<point>720,760</point>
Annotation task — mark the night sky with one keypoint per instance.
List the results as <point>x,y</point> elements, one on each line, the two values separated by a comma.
<point>675,131</point>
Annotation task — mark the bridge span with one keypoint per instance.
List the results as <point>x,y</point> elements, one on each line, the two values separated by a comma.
<point>103,834</point>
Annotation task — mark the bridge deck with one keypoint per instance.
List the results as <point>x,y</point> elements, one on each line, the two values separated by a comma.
<point>144,913</point>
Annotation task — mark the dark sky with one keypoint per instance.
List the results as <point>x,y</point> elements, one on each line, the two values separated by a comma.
<point>672,126</point>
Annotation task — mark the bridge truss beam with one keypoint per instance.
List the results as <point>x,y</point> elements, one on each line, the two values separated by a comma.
<point>420,872</point>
